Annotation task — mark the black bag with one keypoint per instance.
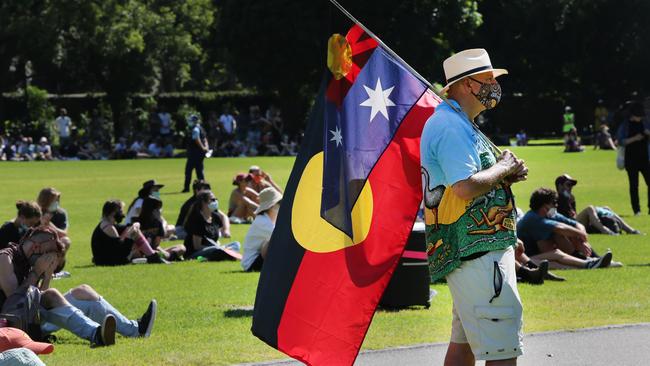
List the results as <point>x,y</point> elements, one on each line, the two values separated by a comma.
<point>409,285</point>
<point>21,310</point>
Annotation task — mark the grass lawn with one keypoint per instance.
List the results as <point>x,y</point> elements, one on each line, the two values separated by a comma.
<point>203,307</point>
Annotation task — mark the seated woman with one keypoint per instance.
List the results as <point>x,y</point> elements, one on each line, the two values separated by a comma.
<point>243,200</point>
<point>572,142</point>
<point>258,236</point>
<point>149,188</point>
<point>81,310</point>
<point>114,244</point>
<point>152,228</point>
<point>204,226</point>
<point>197,187</point>
<point>29,215</point>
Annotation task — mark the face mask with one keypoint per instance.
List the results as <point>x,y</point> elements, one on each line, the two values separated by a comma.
<point>23,228</point>
<point>213,206</point>
<point>53,207</point>
<point>119,217</point>
<point>551,212</point>
<point>489,94</point>
<point>156,194</point>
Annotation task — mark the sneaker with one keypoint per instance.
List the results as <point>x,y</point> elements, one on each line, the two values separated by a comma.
<point>105,333</point>
<point>185,190</point>
<point>145,323</point>
<point>638,213</point>
<point>534,276</point>
<point>553,277</point>
<point>615,264</point>
<point>601,262</point>
<point>156,258</point>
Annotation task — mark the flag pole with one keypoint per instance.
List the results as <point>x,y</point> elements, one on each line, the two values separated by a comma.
<point>408,67</point>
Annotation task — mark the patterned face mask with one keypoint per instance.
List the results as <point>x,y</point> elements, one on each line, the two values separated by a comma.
<point>489,94</point>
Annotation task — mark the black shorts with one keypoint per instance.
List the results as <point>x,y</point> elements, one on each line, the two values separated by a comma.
<point>257,265</point>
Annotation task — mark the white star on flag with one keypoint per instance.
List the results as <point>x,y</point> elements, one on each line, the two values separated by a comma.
<point>336,136</point>
<point>378,100</point>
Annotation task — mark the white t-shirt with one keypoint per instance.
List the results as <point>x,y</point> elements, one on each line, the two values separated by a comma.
<point>133,212</point>
<point>259,233</point>
<point>63,123</point>
<point>228,122</point>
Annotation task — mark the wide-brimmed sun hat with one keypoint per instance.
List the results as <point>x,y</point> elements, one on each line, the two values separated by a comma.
<point>268,198</point>
<point>466,63</point>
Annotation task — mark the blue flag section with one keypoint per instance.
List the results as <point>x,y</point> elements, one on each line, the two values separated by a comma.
<point>357,132</point>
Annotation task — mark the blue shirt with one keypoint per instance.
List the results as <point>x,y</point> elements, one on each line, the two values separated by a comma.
<point>446,152</point>
<point>451,150</point>
<point>534,227</point>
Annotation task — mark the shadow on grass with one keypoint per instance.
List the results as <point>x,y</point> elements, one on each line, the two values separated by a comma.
<point>638,265</point>
<point>238,313</point>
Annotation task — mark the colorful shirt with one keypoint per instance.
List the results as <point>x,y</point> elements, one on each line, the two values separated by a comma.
<point>452,150</point>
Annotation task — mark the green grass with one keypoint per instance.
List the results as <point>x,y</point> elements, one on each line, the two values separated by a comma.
<point>204,317</point>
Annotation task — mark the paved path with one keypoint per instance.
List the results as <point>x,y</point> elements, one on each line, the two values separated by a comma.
<point>613,345</point>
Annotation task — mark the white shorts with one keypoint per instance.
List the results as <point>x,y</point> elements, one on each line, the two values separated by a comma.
<point>487,310</point>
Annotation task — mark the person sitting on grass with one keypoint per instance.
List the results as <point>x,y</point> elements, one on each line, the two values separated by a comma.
<point>49,199</point>
<point>152,228</point>
<point>550,236</point>
<point>44,150</point>
<point>114,244</point>
<point>28,216</point>
<point>529,271</point>
<point>149,188</point>
<point>572,141</point>
<point>604,139</point>
<point>197,187</point>
<point>595,219</point>
<point>261,180</point>
<point>259,234</point>
<point>81,310</point>
<point>204,226</point>
<point>243,200</point>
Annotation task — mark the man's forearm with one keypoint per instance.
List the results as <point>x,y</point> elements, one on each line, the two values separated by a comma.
<point>481,182</point>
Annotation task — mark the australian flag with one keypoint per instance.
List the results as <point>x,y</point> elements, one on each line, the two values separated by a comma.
<point>348,207</point>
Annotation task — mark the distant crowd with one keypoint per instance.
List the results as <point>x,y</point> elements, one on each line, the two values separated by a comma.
<point>229,134</point>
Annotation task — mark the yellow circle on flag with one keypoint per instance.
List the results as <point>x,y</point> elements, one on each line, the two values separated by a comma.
<point>309,229</point>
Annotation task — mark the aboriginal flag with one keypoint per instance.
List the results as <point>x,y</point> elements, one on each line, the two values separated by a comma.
<point>348,208</point>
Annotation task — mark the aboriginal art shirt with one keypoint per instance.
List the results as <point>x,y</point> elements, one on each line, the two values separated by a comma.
<point>453,150</point>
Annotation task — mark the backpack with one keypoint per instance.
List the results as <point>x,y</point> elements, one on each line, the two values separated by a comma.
<point>21,309</point>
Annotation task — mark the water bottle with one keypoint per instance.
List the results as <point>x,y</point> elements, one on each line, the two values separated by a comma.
<point>201,258</point>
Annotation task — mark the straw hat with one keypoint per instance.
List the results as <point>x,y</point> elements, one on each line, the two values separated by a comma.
<point>268,198</point>
<point>466,63</point>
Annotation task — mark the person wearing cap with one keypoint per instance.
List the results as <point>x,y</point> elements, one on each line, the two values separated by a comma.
<point>261,180</point>
<point>149,188</point>
<point>549,235</point>
<point>633,134</point>
<point>204,227</point>
<point>243,200</point>
<point>593,219</point>
<point>259,234</point>
<point>473,252</point>
<point>44,150</point>
<point>197,147</point>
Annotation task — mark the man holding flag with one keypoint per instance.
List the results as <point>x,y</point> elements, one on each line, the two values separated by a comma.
<point>470,216</point>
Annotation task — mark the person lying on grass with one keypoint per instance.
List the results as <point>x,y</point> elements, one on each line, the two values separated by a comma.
<point>113,243</point>
<point>81,310</point>
<point>549,235</point>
